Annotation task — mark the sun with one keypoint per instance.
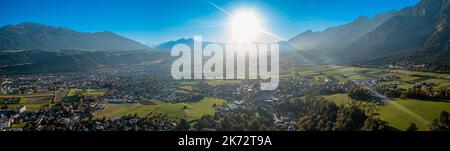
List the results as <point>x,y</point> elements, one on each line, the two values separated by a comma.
<point>245,27</point>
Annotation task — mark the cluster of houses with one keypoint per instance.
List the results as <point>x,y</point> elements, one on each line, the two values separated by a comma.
<point>97,105</point>
<point>48,83</point>
<point>5,122</point>
<point>285,121</point>
<point>11,100</point>
<point>74,116</point>
<point>7,116</point>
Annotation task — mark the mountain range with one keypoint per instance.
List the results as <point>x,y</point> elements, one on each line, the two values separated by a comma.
<point>419,34</point>
<point>38,36</point>
<point>44,61</point>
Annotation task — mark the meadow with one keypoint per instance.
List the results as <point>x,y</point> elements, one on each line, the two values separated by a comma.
<point>417,111</point>
<point>189,111</point>
<point>399,113</point>
<point>32,103</point>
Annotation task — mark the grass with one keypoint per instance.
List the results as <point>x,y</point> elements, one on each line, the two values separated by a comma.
<point>417,73</point>
<point>19,125</point>
<point>73,92</point>
<point>339,99</point>
<point>156,101</point>
<point>186,88</point>
<point>403,77</point>
<point>400,119</point>
<point>189,111</point>
<point>401,85</point>
<point>34,104</point>
<point>417,111</point>
<point>407,78</point>
<point>222,82</point>
<point>439,83</point>
<point>189,82</point>
<point>400,113</point>
<point>26,95</point>
<point>92,92</point>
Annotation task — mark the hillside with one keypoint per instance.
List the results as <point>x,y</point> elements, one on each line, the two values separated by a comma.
<point>419,35</point>
<point>39,36</point>
<point>42,61</point>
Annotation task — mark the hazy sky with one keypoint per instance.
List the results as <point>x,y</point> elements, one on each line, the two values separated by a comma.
<point>155,21</point>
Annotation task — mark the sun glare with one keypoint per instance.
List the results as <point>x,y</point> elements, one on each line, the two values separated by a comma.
<point>245,27</point>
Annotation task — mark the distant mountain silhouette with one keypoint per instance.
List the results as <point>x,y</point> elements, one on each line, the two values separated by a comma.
<point>42,61</point>
<point>339,37</point>
<point>39,36</point>
<point>167,46</point>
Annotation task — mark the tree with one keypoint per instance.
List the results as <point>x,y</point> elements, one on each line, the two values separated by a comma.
<point>412,127</point>
<point>183,125</point>
<point>254,125</point>
<point>349,118</point>
<point>226,124</point>
<point>360,93</point>
<point>202,124</point>
<point>374,124</point>
<point>442,123</point>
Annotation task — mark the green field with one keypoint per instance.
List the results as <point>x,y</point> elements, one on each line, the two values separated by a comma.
<point>73,92</point>
<point>222,82</point>
<point>25,95</point>
<point>343,74</point>
<point>417,73</point>
<point>417,111</point>
<point>438,83</point>
<point>400,113</point>
<point>19,125</point>
<point>339,99</point>
<point>189,111</point>
<point>89,92</point>
<point>186,88</point>
<point>32,103</point>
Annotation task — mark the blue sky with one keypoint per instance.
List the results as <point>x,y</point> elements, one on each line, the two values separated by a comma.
<point>155,21</point>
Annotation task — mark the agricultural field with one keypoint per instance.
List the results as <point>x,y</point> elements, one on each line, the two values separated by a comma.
<point>32,103</point>
<point>88,92</point>
<point>189,111</point>
<point>19,125</point>
<point>71,95</point>
<point>26,95</point>
<point>73,92</point>
<point>400,113</point>
<point>342,74</point>
<point>222,82</point>
<point>339,99</point>
<point>92,92</point>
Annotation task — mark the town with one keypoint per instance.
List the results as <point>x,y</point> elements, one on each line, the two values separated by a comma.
<point>145,97</point>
